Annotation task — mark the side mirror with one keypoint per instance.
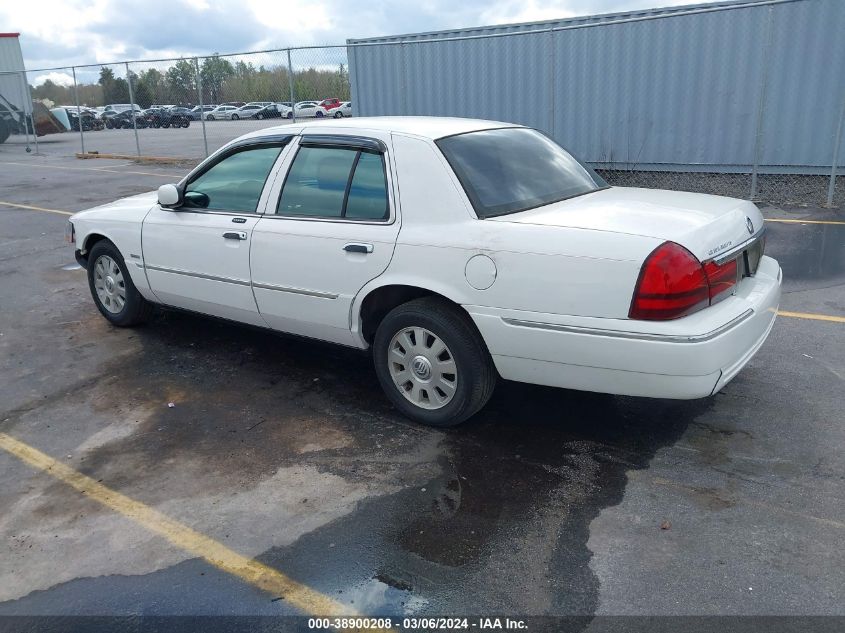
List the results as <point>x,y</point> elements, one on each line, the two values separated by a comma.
<point>168,195</point>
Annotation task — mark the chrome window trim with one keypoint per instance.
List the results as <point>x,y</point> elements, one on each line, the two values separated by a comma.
<point>188,273</point>
<point>296,291</point>
<point>638,336</point>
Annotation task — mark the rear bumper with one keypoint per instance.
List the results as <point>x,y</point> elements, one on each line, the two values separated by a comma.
<point>688,358</point>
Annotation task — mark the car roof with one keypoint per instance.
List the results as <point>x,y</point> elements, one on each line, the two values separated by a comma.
<point>431,127</point>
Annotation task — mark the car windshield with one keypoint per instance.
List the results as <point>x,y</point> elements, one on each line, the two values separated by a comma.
<point>509,170</point>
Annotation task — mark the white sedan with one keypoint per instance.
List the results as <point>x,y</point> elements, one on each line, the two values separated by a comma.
<point>305,109</point>
<point>221,112</point>
<point>345,109</point>
<point>457,250</point>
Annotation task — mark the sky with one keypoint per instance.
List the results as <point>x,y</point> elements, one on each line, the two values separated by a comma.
<point>69,32</point>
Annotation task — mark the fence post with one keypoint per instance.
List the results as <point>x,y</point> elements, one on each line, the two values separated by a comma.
<point>199,98</point>
<point>23,111</point>
<point>290,85</point>
<point>836,143</point>
<point>132,107</point>
<point>78,109</point>
<point>552,79</point>
<point>761,106</point>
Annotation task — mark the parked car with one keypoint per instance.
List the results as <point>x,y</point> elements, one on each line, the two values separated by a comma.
<point>221,112</point>
<point>274,111</point>
<point>236,104</point>
<point>121,107</point>
<point>246,111</point>
<point>161,117</point>
<point>330,104</point>
<point>510,258</point>
<point>199,111</point>
<point>124,120</point>
<point>188,113</point>
<point>345,109</point>
<point>69,118</point>
<point>310,109</point>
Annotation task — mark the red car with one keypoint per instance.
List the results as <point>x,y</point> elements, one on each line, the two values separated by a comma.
<point>331,104</point>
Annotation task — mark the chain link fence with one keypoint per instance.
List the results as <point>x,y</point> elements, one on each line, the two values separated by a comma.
<point>618,101</point>
<point>179,109</point>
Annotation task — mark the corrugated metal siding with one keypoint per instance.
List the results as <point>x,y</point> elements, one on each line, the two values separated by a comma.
<point>11,61</point>
<point>673,92</point>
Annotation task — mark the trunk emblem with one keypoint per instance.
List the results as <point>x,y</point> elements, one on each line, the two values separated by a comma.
<point>749,225</point>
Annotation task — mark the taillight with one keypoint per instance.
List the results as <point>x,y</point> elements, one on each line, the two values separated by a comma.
<point>672,284</point>
<point>720,278</point>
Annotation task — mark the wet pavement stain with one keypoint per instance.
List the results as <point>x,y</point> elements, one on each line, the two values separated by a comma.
<point>810,254</point>
<point>498,509</point>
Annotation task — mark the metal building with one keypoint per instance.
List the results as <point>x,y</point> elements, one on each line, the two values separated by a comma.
<point>711,87</point>
<point>12,86</point>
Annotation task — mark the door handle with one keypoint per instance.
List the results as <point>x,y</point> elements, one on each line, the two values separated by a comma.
<point>235,235</point>
<point>358,248</point>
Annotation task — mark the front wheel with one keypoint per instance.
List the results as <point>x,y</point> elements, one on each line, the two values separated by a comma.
<point>289,115</point>
<point>319,115</point>
<point>432,363</point>
<point>259,116</point>
<point>209,117</point>
<point>235,117</point>
<point>338,115</point>
<point>115,295</point>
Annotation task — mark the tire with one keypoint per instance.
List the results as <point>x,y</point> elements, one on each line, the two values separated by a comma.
<point>186,123</point>
<point>165,124</point>
<point>289,115</point>
<point>156,123</point>
<point>134,309</point>
<point>208,117</point>
<point>338,115</point>
<point>474,375</point>
<point>319,115</point>
<point>235,117</point>
<point>109,125</point>
<point>259,116</point>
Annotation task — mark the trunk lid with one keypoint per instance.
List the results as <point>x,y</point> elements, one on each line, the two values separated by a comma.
<point>706,225</point>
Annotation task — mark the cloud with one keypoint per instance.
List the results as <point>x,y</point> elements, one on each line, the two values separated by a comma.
<point>62,79</point>
<point>73,32</point>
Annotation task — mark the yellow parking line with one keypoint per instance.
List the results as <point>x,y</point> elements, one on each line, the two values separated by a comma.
<point>803,221</point>
<point>809,315</point>
<point>31,208</point>
<point>257,574</point>
<point>111,171</point>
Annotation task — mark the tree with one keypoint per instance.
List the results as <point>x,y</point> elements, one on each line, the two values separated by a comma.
<point>148,86</point>
<point>181,82</point>
<point>214,73</point>
<point>115,90</point>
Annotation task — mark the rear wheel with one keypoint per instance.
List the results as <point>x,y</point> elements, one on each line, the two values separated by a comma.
<point>289,115</point>
<point>235,117</point>
<point>319,115</point>
<point>115,295</point>
<point>338,115</point>
<point>186,123</point>
<point>209,117</point>
<point>432,363</point>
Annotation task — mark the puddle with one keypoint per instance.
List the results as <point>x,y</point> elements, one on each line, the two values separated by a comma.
<point>808,253</point>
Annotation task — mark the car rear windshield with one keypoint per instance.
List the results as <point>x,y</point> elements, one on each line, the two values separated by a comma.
<point>508,170</point>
